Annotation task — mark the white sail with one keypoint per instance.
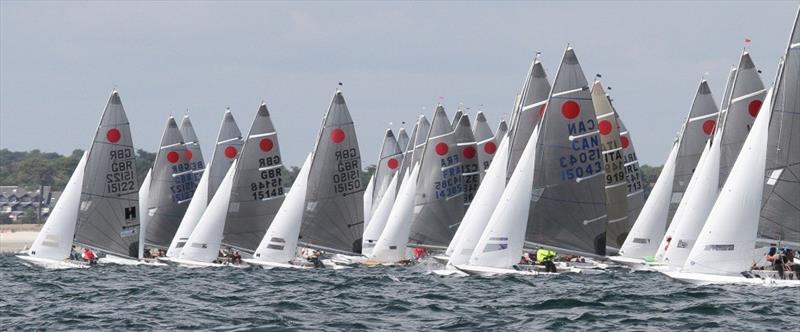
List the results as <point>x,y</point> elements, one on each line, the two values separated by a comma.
<point>698,203</point>
<point>666,238</point>
<point>279,244</point>
<point>725,244</point>
<point>368,200</point>
<point>481,209</point>
<point>642,241</point>
<point>388,163</point>
<point>378,220</point>
<point>193,213</point>
<point>144,219</point>
<point>204,243</point>
<point>391,245</point>
<point>501,243</point>
<point>54,241</point>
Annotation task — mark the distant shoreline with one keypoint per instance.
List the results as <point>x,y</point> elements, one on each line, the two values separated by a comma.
<point>16,237</point>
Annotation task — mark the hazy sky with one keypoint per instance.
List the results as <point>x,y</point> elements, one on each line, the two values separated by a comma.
<point>60,60</point>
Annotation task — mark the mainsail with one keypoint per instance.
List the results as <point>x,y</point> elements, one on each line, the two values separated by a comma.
<point>533,100</point>
<point>633,175</point>
<point>258,188</point>
<point>746,98</point>
<point>699,126</point>
<point>171,187</point>
<point>502,129</point>
<point>439,202</point>
<point>780,209</point>
<point>194,154</point>
<point>616,183</point>
<point>229,142</point>
<point>109,208</point>
<point>333,217</point>
<point>568,207</point>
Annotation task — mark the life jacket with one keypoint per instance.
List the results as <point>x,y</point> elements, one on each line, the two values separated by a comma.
<point>543,255</point>
<point>88,255</point>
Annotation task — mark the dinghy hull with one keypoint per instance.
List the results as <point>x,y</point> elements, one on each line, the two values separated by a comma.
<point>53,264</point>
<point>710,279</point>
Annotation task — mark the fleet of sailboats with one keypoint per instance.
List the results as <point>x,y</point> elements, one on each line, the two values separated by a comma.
<point>562,175</point>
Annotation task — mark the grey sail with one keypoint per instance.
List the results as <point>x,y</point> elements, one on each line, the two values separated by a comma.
<point>456,117</point>
<point>745,98</point>
<point>780,211</point>
<point>533,101</point>
<point>438,203</point>
<point>633,175</point>
<point>229,142</point>
<point>171,187</point>
<point>470,163</point>
<point>388,163</point>
<point>502,129</point>
<point>258,187</point>
<point>698,128</point>
<point>408,154</point>
<point>486,143</point>
<point>334,202</point>
<point>402,139</point>
<point>568,207</point>
<point>195,155</point>
<point>421,137</point>
<point>109,210</point>
<point>616,183</point>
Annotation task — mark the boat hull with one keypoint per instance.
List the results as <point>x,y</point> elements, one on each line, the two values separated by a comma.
<point>710,279</point>
<point>196,264</point>
<point>111,259</point>
<point>273,265</point>
<point>53,264</point>
<point>486,271</point>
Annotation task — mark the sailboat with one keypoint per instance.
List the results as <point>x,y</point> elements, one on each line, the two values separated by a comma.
<point>258,187</point>
<point>99,207</point>
<point>170,189</point>
<point>226,148</point>
<point>388,165</point>
<point>568,204</point>
<point>724,251</point>
<point>533,96</point>
<point>643,239</point>
<point>501,243</point>
<point>735,121</point>
<point>249,205</point>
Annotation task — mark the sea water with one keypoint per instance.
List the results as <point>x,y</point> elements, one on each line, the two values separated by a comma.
<point>113,297</point>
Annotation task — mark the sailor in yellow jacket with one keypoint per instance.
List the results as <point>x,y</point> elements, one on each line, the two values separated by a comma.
<point>545,257</point>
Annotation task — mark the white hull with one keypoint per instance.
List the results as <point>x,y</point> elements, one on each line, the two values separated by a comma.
<point>449,272</point>
<point>272,265</point>
<point>710,279</point>
<point>486,271</point>
<point>196,264</point>
<point>627,261</point>
<point>52,263</point>
<point>111,259</point>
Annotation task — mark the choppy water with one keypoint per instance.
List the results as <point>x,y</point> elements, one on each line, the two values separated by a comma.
<point>393,298</point>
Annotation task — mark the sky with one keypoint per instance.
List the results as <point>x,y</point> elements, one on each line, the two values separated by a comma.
<point>59,61</point>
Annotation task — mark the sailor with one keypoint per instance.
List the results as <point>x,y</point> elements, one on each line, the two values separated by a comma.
<point>419,253</point>
<point>545,257</point>
<point>314,258</point>
<point>526,259</point>
<point>74,255</point>
<point>236,258</point>
<point>89,256</point>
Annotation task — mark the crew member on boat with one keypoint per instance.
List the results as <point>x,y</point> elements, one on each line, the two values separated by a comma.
<point>545,257</point>
<point>89,256</point>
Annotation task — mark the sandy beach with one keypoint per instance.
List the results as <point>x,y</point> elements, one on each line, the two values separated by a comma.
<point>14,238</point>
